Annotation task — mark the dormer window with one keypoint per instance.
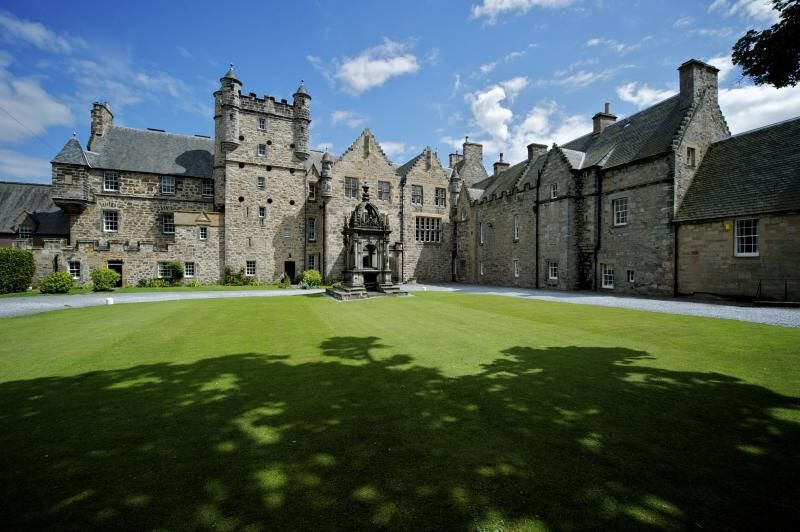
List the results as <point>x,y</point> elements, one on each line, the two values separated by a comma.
<point>24,231</point>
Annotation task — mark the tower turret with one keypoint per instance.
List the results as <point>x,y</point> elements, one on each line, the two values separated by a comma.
<point>325,177</point>
<point>302,119</point>
<point>226,116</point>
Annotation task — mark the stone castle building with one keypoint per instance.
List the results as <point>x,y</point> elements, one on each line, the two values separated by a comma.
<point>664,201</point>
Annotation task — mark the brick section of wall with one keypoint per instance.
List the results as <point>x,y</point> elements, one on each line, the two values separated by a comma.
<point>707,263</point>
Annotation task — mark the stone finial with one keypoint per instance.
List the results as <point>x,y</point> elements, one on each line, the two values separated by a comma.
<point>365,195</point>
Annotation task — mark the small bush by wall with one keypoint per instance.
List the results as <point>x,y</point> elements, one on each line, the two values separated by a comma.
<point>104,279</point>
<point>56,283</point>
<point>17,267</point>
<point>312,278</point>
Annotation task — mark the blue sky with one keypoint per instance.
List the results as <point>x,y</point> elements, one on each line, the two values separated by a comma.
<point>426,73</point>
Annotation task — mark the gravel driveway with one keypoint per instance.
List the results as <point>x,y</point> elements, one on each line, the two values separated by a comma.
<point>787,317</point>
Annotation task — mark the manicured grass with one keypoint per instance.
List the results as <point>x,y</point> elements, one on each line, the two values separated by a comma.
<point>439,411</point>
<point>135,289</point>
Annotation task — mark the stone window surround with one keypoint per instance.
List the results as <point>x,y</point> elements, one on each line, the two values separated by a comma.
<point>515,234</point>
<point>188,270</point>
<point>620,211</point>
<point>746,234</point>
<point>691,156</point>
<point>261,182</point>
<point>428,230</point>
<point>262,212</point>
<point>312,262</point>
<point>553,190</point>
<point>312,229</point>
<point>110,220</point>
<point>384,191</point>
<point>74,268</point>
<point>168,185</point>
<point>262,124</point>
<point>203,232</point>
<point>607,275</point>
<point>208,187</point>
<point>629,276</point>
<point>351,187</point>
<point>261,151</point>
<point>250,268</point>
<point>516,267</point>
<point>163,270</point>
<point>440,198</point>
<point>481,234</point>
<point>312,192</point>
<point>168,223</point>
<point>552,270</point>
<point>417,195</point>
<point>110,181</point>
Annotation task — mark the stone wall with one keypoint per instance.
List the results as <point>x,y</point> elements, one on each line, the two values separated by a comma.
<point>556,219</point>
<point>707,263</point>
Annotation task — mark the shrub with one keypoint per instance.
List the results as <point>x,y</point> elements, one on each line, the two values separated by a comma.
<point>16,270</point>
<point>56,283</point>
<point>104,279</point>
<point>194,283</point>
<point>234,278</point>
<point>175,272</point>
<point>285,281</point>
<point>312,278</point>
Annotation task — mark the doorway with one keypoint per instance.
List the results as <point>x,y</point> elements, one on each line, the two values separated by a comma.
<point>288,268</point>
<point>116,265</point>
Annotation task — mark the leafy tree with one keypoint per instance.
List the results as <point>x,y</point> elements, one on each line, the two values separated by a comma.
<point>772,56</point>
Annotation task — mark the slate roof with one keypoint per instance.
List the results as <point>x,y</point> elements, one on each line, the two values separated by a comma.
<point>404,169</point>
<point>72,153</point>
<point>152,152</point>
<point>314,160</point>
<point>35,199</point>
<point>506,180</point>
<point>473,172</point>
<point>752,173</point>
<point>644,134</point>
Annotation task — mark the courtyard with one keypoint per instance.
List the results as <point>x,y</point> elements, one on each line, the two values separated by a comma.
<point>438,411</point>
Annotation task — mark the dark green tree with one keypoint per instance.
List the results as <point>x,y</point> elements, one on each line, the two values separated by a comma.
<point>772,56</point>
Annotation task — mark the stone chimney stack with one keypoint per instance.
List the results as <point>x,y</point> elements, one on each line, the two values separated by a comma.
<point>600,121</point>
<point>101,119</point>
<point>473,151</point>
<point>500,165</point>
<point>535,150</point>
<point>455,158</point>
<point>697,78</point>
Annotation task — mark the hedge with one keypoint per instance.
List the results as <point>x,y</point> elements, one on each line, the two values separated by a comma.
<point>17,267</point>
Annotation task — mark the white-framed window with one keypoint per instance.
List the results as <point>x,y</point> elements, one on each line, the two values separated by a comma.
<point>691,157</point>
<point>168,223</point>
<point>75,269</point>
<point>416,195</point>
<point>188,269</point>
<point>552,271</point>
<point>312,192</point>
<point>312,262</point>
<point>351,187</point>
<point>164,270</point>
<point>607,274</point>
<point>260,181</point>
<point>312,229</point>
<point>480,267</point>
<point>262,150</point>
<point>516,267</point>
<point>24,231</point>
<point>440,200</point>
<point>208,187</point>
<point>384,191</point>
<point>629,276</point>
<point>428,229</point>
<point>620,208</point>
<point>110,221</point>
<point>262,212</point>
<point>167,184</point>
<point>111,182</point>
<point>515,234</point>
<point>250,268</point>
<point>554,191</point>
<point>203,232</point>
<point>262,123</point>
<point>480,233</point>
<point>746,238</point>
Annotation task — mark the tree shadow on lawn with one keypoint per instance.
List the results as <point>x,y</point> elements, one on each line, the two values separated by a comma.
<point>561,438</point>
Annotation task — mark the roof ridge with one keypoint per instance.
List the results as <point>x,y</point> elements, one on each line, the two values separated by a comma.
<point>757,129</point>
<point>24,183</point>
<point>161,132</point>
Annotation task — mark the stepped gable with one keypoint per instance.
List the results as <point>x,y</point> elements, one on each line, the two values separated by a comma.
<point>72,153</point>
<point>751,173</point>
<point>16,198</point>
<point>644,134</point>
<point>152,152</point>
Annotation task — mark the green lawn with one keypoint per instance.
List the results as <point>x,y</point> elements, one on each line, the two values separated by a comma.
<point>439,411</point>
<point>134,289</point>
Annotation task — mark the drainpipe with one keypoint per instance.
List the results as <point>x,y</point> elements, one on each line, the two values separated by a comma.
<point>537,212</point>
<point>598,229</point>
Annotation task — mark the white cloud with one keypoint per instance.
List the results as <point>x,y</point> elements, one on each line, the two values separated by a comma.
<point>754,106</point>
<point>375,65</point>
<point>514,86</point>
<point>29,103</point>
<point>620,48</point>
<point>324,146</point>
<point>490,9</point>
<point>456,84</point>
<point>683,22</point>
<point>717,33</point>
<point>725,65</point>
<point>755,9</point>
<point>642,95</point>
<point>351,119</point>
<point>488,67</point>
<point>393,149</point>
<point>581,78</point>
<point>489,113</point>
<point>19,167</point>
<point>18,30</point>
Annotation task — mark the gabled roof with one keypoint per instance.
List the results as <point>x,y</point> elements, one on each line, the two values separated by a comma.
<point>152,152</point>
<point>506,180</point>
<point>647,133</point>
<point>404,169</point>
<point>72,153</point>
<point>751,173</point>
<point>314,160</point>
<point>16,198</point>
<point>471,171</point>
